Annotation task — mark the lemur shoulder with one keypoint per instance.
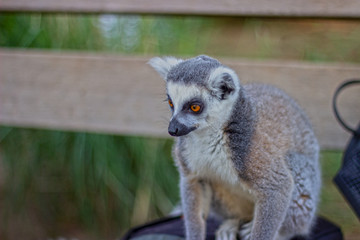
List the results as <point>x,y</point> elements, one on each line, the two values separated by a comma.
<point>247,152</point>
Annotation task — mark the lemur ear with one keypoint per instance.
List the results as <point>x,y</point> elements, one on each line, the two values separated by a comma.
<point>223,82</point>
<point>163,65</point>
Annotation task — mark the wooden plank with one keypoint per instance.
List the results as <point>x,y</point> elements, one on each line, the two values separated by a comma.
<point>274,8</point>
<point>123,95</point>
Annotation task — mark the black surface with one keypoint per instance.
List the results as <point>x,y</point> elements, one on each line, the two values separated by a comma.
<point>323,229</point>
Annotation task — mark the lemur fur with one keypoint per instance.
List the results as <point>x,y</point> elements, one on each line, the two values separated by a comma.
<point>247,152</point>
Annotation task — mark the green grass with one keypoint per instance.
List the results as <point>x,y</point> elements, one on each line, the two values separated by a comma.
<point>94,186</point>
<point>105,183</point>
<point>321,40</point>
<point>333,205</point>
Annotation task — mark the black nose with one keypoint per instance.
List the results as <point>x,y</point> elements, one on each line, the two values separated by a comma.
<point>173,132</point>
<point>177,129</point>
<point>174,128</point>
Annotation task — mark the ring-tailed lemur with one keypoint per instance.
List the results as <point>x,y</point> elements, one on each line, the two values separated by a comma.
<point>248,152</point>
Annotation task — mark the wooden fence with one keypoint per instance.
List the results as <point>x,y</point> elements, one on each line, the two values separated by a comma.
<point>123,95</point>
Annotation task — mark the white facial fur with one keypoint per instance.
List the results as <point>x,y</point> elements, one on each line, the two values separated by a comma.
<point>217,108</point>
<point>215,112</point>
<point>180,94</point>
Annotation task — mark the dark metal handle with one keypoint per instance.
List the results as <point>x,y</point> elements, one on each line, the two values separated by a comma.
<point>338,90</point>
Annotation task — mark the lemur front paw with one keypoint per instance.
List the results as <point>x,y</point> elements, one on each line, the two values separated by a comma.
<point>245,231</point>
<point>228,230</point>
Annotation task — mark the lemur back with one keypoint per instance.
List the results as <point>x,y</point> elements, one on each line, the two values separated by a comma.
<point>248,152</point>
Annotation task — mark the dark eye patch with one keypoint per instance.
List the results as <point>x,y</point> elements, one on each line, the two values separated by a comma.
<point>170,102</point>
<point>195,101</point>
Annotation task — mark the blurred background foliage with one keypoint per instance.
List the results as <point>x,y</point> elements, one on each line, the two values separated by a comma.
<point>57,184</point>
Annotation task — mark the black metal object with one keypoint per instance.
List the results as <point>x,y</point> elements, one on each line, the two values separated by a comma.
<point>348,177</point>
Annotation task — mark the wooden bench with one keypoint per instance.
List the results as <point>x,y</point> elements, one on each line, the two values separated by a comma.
<point>123,95</point>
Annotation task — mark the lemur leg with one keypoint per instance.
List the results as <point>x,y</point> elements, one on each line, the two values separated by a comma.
<point>195,207</point>
<point>228,230</point>
<point>269,215</point>
<point>302,209</point>
<point>245,231</point>
<point>273,195</point>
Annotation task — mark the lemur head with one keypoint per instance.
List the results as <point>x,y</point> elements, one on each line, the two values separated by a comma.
<point>200,92</point>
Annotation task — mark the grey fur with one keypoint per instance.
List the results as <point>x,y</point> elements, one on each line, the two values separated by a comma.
<point>240,129</point>
<point>193,71</point>
<point>250,154</point>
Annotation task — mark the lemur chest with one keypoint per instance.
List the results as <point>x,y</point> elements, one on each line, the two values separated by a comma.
<point>208,156</point>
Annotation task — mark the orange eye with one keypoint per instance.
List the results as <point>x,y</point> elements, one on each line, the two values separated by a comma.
<point>170,103</point>
<point>195,108</point>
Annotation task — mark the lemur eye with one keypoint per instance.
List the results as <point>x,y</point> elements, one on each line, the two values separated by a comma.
<point>170,103</point>
<point>195,108</point>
